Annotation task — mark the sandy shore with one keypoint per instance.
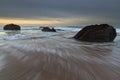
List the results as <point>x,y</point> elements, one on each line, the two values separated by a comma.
<point>56,59</point>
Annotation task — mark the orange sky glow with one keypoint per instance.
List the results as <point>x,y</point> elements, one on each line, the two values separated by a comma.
<point>30,22</point>
<point>55,22</point>
<point>44,22</point>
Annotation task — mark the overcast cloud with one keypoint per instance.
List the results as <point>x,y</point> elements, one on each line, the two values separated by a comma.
<point>63,9</point>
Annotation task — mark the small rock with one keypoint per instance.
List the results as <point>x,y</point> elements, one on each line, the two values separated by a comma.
<point>11,27</point>
<point>47,29</point>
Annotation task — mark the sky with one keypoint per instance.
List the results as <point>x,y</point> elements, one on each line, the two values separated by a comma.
<point>59,12</point>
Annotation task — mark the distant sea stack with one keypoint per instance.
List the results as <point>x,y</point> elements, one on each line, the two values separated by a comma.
<point>47,29</point>
<point>11,27</point>
<point>97,33</point>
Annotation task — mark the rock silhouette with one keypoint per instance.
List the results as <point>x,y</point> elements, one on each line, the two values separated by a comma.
<point>97,33</point>
<point>11,27</point>
<point>47,29</point>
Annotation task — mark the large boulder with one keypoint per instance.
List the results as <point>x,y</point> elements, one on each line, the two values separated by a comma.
<point>47,29</point>
<point>97,33</point>
<point>11,27</point>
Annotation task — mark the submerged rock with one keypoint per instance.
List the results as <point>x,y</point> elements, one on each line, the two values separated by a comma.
<point>97,33</point>
<point>47,29</point>
<point>11,27</point>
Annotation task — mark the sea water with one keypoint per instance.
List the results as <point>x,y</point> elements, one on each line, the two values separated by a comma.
<point>27,32</point>
<point>31,54</point>
<point>33,32</point>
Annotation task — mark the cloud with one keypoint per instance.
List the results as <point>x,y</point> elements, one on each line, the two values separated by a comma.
<point>60,9</point>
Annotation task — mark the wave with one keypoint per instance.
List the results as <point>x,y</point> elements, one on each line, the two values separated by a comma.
<point>35,33</point>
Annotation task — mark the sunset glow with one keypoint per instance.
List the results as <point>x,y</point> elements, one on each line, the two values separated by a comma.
<point>29,22</point>
<point>55,22</point>
<point>48,22</point>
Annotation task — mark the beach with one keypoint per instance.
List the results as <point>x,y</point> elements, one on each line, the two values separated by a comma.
<point>57,56</point>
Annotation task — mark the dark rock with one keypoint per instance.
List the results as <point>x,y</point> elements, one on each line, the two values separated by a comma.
<point>11,27</point>
<point>97,33</point>
<point>47,29</point>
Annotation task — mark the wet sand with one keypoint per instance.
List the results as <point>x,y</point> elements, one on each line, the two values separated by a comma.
<point>58,59</point>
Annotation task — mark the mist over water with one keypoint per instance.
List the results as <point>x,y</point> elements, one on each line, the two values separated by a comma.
<point>35,32</point>
<point>31,54</point>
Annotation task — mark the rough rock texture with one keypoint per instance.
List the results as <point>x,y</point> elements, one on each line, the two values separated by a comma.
<point>97,33</point>
<point>47,29</point>
<point>11,27</point>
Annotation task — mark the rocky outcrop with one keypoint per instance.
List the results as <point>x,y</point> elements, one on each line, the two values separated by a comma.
<point>47,29</point>
<point>11,27</point>
<point>97,33</point>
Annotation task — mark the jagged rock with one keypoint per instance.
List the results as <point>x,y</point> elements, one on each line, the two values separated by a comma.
<point>97,33</point>
<point>11,27</point>
<point>47,29</point>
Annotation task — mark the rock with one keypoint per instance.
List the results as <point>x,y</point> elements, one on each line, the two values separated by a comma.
<point>47,29</point>
<point>97,33</point>
<point>11,27</point>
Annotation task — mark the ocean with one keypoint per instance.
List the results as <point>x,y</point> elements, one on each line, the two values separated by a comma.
<point>31,54</point>
<point>29,32</point>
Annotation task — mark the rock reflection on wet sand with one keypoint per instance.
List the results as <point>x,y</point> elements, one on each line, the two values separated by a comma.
<point>52,59</point>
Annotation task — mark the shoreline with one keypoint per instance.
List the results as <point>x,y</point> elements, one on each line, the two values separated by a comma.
<point>58,59</point>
